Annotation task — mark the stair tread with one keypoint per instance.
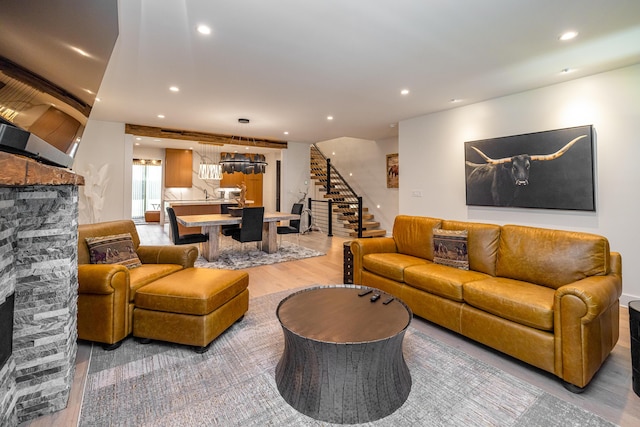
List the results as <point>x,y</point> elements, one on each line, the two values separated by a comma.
<point>365,225</point>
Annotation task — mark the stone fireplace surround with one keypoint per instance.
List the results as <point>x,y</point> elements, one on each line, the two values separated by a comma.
<point>38,265</point>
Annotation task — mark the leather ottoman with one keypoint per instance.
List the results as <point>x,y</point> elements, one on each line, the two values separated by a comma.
<point>192,306</point>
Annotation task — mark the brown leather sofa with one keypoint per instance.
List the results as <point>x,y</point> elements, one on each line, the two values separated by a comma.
<point>106,292</point>
<point>547,297</point>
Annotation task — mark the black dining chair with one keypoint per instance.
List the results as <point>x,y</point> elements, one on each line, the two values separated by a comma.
<point>294,224</point>
<point>226,230</point>
<point>185,239</point>
<point>251,227</point>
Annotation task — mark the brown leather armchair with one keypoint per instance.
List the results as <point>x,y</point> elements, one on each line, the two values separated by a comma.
<point>106,292</point>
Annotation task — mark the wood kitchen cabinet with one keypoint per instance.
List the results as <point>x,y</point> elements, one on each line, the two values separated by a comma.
<point>252,181</point>
<point>177,168</point>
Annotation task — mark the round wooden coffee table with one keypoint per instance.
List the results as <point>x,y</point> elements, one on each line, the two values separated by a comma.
<point>342,360</point>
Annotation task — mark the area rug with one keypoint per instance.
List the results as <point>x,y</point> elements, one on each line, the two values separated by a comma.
<point>161,384</point>
<point>233,257</point>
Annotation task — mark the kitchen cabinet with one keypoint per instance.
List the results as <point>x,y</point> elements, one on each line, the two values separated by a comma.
<point>252,181</point>
<point>178,166</point>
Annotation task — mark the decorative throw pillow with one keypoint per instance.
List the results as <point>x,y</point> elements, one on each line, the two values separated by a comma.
<point>450,248</point>
<point>114,249</point>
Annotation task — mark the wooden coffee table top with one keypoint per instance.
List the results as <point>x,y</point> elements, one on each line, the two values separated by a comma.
<point>337,314</point>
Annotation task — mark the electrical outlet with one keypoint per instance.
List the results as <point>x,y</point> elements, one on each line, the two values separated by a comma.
<point>416,193</point>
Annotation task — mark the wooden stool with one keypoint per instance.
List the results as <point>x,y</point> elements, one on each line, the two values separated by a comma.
<point>192,306</point>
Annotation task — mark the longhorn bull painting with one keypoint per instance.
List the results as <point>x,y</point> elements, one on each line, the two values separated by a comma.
<point>553,170</point>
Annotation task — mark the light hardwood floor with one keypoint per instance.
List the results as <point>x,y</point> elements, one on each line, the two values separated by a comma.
<point>609,395</point>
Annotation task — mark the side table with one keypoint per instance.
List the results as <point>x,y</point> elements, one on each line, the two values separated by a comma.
<point>634,329</point>
<point>348,263</point>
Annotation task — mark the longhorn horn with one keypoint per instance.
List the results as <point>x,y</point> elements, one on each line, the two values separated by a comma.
<point>558,153</point>
<point>475,165</point>
<point>493,161</point>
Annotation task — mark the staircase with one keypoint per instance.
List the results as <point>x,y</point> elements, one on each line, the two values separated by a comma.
<point>344,200</point>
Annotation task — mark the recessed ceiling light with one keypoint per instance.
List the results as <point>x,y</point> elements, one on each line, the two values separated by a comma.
<point>329,117</point>
<point>404,92</point>
<point>568,35</point>
<point>161,116</point>
<point>174,89</point>
<point>204,29</point>
<point>98,99</point>
<point>286,132</point>
<point>138,138</point>
<point>137,143</point>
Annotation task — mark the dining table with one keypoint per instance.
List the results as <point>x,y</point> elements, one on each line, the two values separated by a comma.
<point>210,224</point>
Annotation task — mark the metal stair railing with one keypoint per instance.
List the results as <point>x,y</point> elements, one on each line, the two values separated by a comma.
<point>349,199</point>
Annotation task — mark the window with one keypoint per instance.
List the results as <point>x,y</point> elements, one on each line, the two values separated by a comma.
<point>147,187</point>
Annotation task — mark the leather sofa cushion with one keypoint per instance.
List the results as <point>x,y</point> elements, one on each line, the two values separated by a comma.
<point>551,258</point>
<point>390,265</point>
<point>147,273</point>
<point>521,302</point>
<point>482,244</point>
<point>194,291</point>
<point>414,235</point>
<point>440,280</point>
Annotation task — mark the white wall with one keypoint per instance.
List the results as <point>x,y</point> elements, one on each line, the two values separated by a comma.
<point>431,153</point>
<point>362,163</point>
<point>295,174</point>
<point>104,147</point>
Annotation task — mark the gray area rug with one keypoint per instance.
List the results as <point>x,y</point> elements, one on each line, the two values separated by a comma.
<point>233,257</point>
<point>161,384</point>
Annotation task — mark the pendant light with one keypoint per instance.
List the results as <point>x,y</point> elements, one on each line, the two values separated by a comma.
<point>210,167</point>
<point>240,162</point>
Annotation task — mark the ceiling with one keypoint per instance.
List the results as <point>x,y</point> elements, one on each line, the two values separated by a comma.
<point>288,64</point>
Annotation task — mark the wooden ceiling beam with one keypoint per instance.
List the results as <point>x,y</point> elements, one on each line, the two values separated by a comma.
<point>212,138</point>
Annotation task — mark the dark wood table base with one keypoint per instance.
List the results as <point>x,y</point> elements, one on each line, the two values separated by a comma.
<point>343,383</point>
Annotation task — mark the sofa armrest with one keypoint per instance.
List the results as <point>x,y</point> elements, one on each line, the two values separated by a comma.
<point>103,303</point>
<point>362,247</point>
<point>586,326</point>
<point>103,279</point>
<point>184,255</point>
<point>597,294</point>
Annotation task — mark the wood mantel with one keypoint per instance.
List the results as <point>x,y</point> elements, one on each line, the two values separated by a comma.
<point>21,171</point>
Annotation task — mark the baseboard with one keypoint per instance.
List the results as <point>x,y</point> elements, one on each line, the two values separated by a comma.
<point>626,298</point>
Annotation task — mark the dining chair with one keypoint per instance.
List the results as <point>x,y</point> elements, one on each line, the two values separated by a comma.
<point>294,224</point>
<point>251,226</point>
<point>226,230</point>
<point>185,239</point>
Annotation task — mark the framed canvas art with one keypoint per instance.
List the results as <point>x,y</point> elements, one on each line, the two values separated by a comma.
<point>550,170</point>
<point>392,170</point>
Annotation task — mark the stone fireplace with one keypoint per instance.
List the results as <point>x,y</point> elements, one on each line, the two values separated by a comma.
<point>38,270</point>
